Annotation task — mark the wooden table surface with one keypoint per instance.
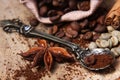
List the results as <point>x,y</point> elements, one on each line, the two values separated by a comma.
<point>12,44</point>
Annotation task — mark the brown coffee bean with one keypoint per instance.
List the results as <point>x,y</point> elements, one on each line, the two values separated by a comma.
<point>101,19</point>
<point>88,36</point>
<point>60,13</point>
<point>83,23</point>
<point>41,4</point>
<point>72,4</point>
<point>90,60</point>
<point>85,30</point>
<point>68,35</point>
<point>59,3</point>
<point>67,38</point>
<point>55,3</point>
<point>100,28</point>
<point>51,13</point>
<point>53,30</point>
<point>70,32</point>
<point>34,22</point>
<point>60,34</point>
<point>75,26</point>
<point>92,24</point>
<point>84,5</point>
<point>67,10</point>
<point>55,19</point>
<point>43,10</point>
<point>96,36</point>
<point>48,1</point>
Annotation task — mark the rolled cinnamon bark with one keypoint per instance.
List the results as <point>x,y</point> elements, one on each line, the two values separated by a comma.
<point>113,17</point>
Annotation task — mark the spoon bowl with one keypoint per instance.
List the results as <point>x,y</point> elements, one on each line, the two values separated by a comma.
<point>97,53</point>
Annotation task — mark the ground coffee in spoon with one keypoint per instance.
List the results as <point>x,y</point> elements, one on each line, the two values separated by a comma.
<point>98,60</point>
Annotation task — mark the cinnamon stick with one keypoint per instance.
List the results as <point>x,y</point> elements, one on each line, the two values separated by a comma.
<point>113,17</point>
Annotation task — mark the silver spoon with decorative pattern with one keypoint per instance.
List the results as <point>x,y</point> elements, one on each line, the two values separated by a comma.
<point>26,30</point>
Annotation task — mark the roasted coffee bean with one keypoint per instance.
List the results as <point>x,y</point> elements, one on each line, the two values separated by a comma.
<point>54,13</point>
<point>43,10</point>
<point>60,33</point>
<point>51,13</point>
<point>60,13</point>
<point>55,19</point>
<point>67,38</point>
<point>54,29</point>
<point>100,28</point>
<point>70,32</point>
<point>85,30</point>
<point>55,3</point>
<point>92,24</point>
<point>96,36</point>
<point>101,19</point>
<point>34,22</point>
<point>48,1</point>
<point>59,3</point>
<point>83,23</point>
<point>84,5</point>
<point>42,3</point>
<point>88,36</point>
<point>67,10</point>
<point>75,26</point>
<point>72,4</point>
<point>90,60</point>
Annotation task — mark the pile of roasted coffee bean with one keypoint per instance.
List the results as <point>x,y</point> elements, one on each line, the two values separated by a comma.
<point>88,29</point>
<point>56,8</point>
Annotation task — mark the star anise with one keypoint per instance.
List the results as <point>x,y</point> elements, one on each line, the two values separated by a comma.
<point>46,53</point>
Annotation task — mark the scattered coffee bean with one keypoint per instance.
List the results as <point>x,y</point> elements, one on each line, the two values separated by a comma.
<point>43,10</point>
<point>51,13</point>
<point>85,5</point>
<point>88,36</point>
<point>55,19</point>
<point>66,38</point>
<point>55,29</point>
<point>60,34</point>
<point>92,24</point>
<point>96,36</point>
<point>34,22</point>
<point>85,30</point>
<point>71,33</point>
<point>101,19</point>
<point>100,28</point>
<point>75,26</point>
<point>72,4</point>
<point>67,10</point>
<point>83,23</point>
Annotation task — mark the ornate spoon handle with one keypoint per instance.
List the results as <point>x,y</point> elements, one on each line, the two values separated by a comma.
<point>53,38</point>
<point>17,25</point>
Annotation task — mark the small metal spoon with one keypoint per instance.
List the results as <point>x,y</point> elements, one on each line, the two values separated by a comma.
<point>16,25</point>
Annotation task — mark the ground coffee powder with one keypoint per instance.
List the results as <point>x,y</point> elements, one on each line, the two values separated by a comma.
<point>98,61</point>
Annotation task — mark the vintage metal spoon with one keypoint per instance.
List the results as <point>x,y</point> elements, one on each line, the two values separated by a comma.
<point>16,25</point>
